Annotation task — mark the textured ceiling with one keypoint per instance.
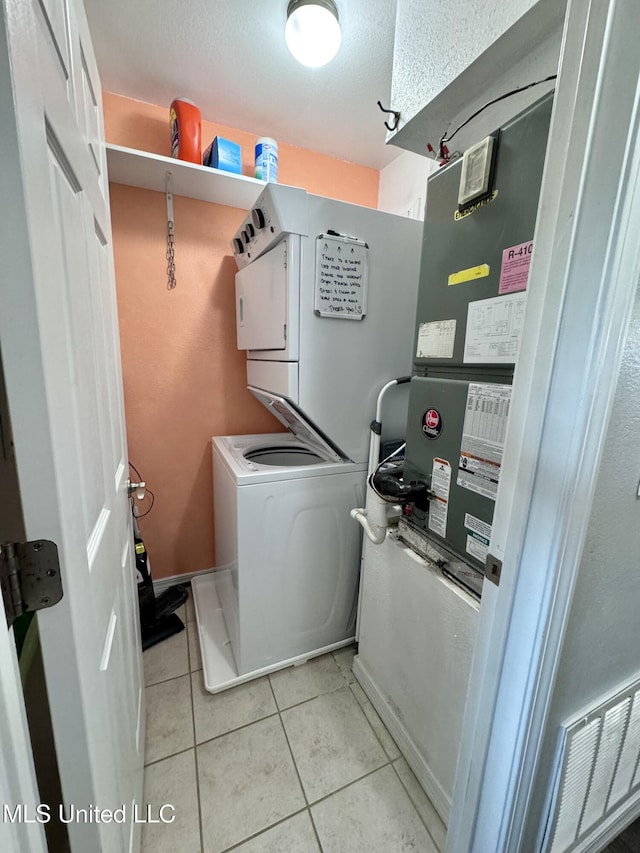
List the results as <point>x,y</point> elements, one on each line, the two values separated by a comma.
<point>230,58</point>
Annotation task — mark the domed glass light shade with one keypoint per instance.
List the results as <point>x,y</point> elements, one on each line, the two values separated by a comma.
<point>312,32</point>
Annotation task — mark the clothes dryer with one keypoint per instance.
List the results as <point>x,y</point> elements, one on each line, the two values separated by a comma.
<point>288,553</point>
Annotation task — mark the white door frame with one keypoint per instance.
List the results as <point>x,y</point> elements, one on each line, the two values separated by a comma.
<point>17,773</point>
<point>583,280</point>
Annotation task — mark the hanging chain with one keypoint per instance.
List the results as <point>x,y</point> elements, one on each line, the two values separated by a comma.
<point>171,260</point>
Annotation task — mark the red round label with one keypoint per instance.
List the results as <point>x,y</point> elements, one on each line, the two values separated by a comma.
<point>431,423</point>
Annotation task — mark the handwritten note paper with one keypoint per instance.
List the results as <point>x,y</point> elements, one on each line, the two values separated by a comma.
<point>341,277</point>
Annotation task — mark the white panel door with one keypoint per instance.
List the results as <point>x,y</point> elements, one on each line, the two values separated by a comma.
<point>60,350</point>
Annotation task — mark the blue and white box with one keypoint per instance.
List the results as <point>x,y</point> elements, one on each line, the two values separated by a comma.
<point>223,154</point>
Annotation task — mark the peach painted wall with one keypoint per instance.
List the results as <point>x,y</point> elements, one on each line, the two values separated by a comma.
<point>184,379</point>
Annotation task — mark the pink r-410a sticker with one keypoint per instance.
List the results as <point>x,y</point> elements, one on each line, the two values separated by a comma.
<point>514,272</point>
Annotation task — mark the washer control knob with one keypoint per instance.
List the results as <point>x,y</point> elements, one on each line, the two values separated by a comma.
<point>238,246</point>
<point>251,231</point>
<point>257,215</point>
<point>245,236</point>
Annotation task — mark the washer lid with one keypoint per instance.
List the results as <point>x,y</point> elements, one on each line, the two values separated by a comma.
<point>294,420</point>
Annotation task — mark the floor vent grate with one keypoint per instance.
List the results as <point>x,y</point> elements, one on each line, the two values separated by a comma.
<point>598,772</point>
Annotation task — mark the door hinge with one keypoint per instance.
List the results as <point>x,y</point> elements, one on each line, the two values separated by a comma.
<point>285,333</point>
<point>29,577</point>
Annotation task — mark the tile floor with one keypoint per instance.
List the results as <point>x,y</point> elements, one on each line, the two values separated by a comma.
<point>296,762</point>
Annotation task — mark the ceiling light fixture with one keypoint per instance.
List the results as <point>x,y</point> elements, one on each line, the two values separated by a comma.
<point>313,32</point>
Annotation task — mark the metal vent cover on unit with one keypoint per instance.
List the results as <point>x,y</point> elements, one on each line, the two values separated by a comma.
<point>597,776</point>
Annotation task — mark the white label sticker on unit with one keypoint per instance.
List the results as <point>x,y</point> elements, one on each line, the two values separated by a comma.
<point>476,525</point>
<point>439,504</point>
<point>485,425</point>
<point>494,328</point>
<point>436,340</point>
<point>477,546</point>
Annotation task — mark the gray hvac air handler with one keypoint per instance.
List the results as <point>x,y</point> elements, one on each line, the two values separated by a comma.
<point>471,302</point>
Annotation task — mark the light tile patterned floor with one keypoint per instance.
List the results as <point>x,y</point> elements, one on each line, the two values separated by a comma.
<point>297,762</point>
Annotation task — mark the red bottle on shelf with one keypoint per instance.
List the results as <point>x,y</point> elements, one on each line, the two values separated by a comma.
<point>185,122</point>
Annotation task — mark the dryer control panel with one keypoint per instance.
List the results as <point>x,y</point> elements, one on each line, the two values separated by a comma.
<point>279,210</point>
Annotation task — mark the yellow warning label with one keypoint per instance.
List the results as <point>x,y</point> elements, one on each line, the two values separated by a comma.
<point>139,548</point>
<point>481,271</point>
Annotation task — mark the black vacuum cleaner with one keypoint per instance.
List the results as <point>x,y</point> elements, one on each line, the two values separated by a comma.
<point>158,620</point>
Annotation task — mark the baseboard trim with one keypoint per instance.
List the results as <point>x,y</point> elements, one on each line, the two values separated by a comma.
<point>164,583</point>
<point>413,756</point>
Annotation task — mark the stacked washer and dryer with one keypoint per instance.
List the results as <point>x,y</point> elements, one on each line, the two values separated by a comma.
<point>325,305</point>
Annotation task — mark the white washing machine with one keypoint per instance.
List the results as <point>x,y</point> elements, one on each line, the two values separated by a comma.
<point>288,555</point>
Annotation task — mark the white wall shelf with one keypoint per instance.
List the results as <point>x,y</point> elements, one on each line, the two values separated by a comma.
<point>148,171</point>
